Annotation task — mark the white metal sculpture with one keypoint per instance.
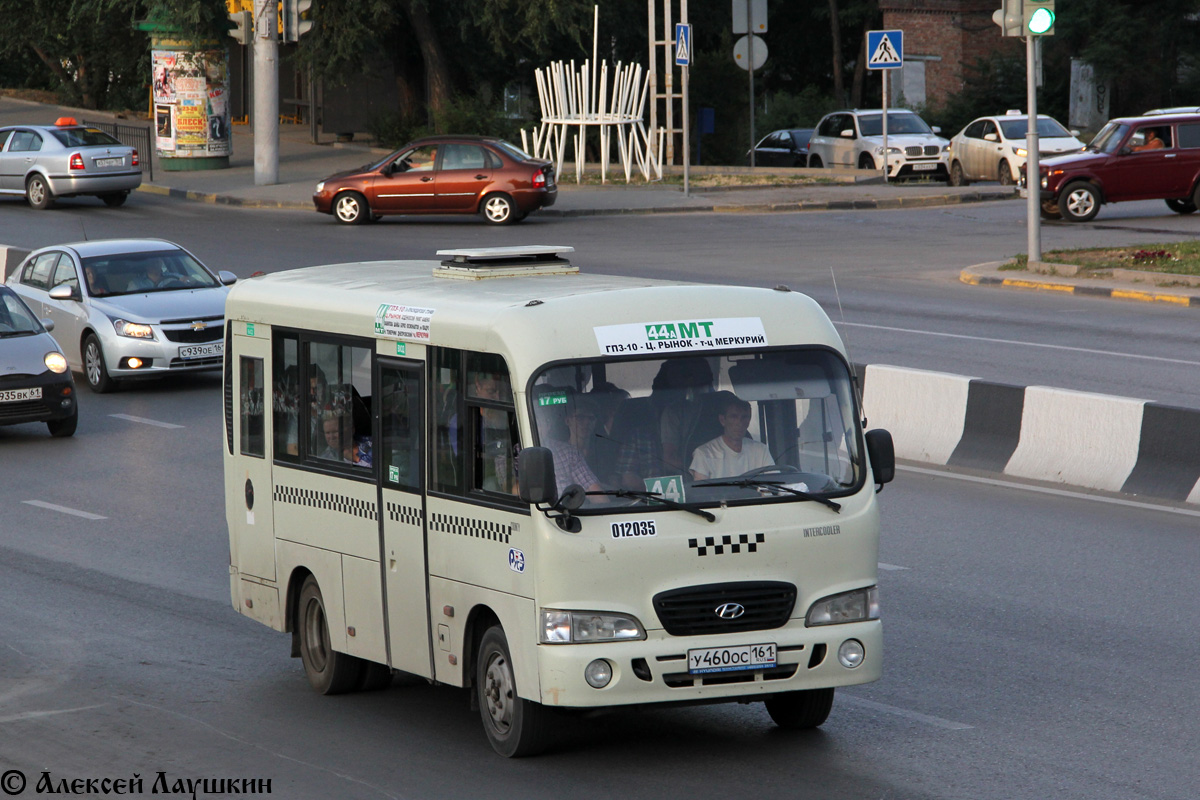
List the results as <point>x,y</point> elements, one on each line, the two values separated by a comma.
<point>571,97</point>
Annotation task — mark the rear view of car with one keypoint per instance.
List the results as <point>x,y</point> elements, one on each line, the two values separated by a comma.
<point>47,162</point>
<point>35,382</point>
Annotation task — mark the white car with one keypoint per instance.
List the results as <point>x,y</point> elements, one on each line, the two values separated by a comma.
<point>993,148</point>
<point>855,139</point>
<point>127,308</point>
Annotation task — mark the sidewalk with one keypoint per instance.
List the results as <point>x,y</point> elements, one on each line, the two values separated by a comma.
<point>1126,287</point>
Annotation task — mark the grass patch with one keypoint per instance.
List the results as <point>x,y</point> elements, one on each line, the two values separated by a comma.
<point>1181,258</point>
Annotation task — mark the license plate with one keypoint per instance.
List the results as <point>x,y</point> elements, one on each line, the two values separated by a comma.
<point>924,167</point>
<point>731,659</point>
<point>110,162</point>
<point>17,395</point>
<point>202,350</point>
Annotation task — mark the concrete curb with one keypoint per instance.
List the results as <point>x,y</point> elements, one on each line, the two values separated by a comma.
<point>976,276</point>
<point>1092,441</point>
<point>222,199</point>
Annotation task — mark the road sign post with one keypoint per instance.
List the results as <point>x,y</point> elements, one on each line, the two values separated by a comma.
<point>885,52</point>
<point>750,18</point>
<point>683,59</point>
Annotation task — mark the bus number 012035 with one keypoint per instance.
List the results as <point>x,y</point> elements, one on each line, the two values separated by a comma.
<point>632,528</point>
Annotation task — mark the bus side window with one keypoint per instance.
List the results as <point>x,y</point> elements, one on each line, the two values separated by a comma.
<point>250,377</point>
<point>495,441</point>
<point>400,410</point>
<point>286,395</point>
<point>448,464</point>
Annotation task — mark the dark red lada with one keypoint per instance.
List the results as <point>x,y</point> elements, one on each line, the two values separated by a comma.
<point>1135,158</point>
<point>442,175</point>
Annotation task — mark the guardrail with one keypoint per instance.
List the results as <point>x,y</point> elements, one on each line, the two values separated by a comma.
<point>133,135</point>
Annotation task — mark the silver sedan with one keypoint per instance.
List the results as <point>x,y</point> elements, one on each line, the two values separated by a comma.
<point>45,162</point>
<point>128,308</point>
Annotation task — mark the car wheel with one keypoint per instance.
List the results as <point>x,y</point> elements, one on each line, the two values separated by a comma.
<point>866,162</point>
<point>1004,174</point>
<point>515,727</point>
<point>957,178</point>
<point>1050,210</point>
<point>61,428</point>
<point>329,671</point>
<point>1079,202</point>
<point>814,162</point>
<point>94,368</point>
<point>114,199</point>
<point>1181,206</point>
<point>38,194</point>
<point>351,208</point>
<point>499,209</point>
<point>800,710</point>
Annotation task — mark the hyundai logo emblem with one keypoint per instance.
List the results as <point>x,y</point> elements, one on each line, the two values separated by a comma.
<point>730,610</point>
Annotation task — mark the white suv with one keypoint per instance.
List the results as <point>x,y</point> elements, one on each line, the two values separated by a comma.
<point>855,139</point>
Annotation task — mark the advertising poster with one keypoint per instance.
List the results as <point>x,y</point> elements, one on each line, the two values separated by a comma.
<point>191,97</point>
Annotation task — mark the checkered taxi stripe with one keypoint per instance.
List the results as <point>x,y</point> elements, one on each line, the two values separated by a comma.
<point>406,515</point>
<point>465,526</point>
<point>727,544</point>
<point>326,501</point>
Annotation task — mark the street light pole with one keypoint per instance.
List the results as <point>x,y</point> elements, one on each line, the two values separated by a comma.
<point>266,94</point>
<point>1033,178</point>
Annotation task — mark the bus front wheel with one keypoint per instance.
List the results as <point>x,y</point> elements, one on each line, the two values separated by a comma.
<point>800,710</point>
<point>515,727</point>
<point>329,671</point>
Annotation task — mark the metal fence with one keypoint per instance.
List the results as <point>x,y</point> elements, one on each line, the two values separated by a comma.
<point>134,136</point>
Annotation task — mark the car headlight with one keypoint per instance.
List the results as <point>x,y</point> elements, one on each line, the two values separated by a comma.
<point>134,330</point>
<point>56,363</point>
<point>945,148</point>
<point>856,606</point>
<point>892,151</point>
<point>578,627</point>
<point>320,187</point>
<point>1045,183</point>
<point>1020,151</point>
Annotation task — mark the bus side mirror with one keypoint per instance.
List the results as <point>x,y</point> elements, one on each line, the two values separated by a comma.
<point>882,454</point>
<point>536,468</point>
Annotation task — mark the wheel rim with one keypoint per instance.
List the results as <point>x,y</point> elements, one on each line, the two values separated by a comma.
<point>497,209</point>
<point>1080,202</point>
<point>498,695</point>
<point>347,209</point>
<point>37,191</point>
<point>92,363</point>
<point>315,637</point>
<point>1005,177</point>
<point>956,174</point>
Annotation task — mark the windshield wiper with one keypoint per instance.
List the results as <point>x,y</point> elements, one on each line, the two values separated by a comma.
<point>658,498</point>
<point>759,484</point>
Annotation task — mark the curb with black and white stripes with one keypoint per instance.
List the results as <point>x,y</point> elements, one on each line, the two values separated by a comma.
<point>1093,441</point>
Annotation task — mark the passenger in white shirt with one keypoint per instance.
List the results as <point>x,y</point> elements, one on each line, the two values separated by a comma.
<point>732,453</point>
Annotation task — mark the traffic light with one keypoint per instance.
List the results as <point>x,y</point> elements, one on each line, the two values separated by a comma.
<point>242,29</point>
<point>295,19</point>
<point>1009,18</point>
<point>1039,17</point>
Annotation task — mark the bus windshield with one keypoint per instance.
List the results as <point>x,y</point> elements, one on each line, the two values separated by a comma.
<point>765,427</point>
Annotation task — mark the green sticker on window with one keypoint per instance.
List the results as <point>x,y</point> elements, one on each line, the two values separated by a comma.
<point>400,348</point>
<point>553,399</point>
<point>669,486</point>
<point>249,328</point>
<point>394,472</point>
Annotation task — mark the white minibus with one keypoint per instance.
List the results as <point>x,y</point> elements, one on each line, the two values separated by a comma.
<point>559,490</point>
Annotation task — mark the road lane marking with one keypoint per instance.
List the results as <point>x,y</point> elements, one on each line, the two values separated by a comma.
<point>40,714</point>
<point>890,567</point>
<point>916,716</point>
<point>62,509</point>
<point>144,421</point>
<point>1025,344</point>
<point>1116,501</point>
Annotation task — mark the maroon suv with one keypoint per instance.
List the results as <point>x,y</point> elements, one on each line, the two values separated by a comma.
<point>1135,158</point>
<point>442,175</point>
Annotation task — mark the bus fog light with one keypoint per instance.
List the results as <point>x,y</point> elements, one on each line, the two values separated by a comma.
<point>851,653</point>
<point>598,673</point>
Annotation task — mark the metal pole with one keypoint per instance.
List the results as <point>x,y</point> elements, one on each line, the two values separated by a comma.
<point>885,108</point>
<point>750,69</point>
<point>266,94</point>
<point>687,154</point>
<point>1033,180</point>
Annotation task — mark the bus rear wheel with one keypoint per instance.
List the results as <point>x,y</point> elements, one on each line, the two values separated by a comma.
<point>329,671</point>
<point>800,710</point>
<point>515,727</point>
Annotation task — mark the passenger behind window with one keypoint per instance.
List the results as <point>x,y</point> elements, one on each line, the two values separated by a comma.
<point>732,453</point>
<point>340,442</point>
<point>607,400</point>
<point>1152,139</point>
<point>680,383</point>
<point>565,438</point>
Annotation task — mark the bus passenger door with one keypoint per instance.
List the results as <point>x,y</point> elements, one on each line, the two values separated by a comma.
<point>400,453</point>
<point>251,520</point>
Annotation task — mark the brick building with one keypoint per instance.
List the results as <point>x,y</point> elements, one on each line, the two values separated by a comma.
<point>940,36</point>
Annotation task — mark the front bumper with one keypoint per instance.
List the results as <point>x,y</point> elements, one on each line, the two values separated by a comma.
<point>162,355</point>
<point>57,400</point>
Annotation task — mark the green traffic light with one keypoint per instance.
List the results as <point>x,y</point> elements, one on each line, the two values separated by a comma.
<point>1041,21</point>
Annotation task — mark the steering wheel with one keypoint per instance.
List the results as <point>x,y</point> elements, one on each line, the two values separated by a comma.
<point>769,468</point>
<point>171,283</point>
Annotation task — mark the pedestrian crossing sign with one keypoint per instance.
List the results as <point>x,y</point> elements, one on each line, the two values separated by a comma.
<point>885,49</point>
<point>683,45</point>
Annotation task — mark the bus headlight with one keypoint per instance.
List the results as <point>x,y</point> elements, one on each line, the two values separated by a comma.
<point>856,606</point>
<point>578,627</point>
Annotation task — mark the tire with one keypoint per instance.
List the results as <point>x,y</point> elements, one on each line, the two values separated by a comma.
<point>866,162</point>
<point>351,208</point>
<point>515,727</point>
<point>1004,174</point>
<point>499,209</point>
<point>1050,210</point>
<point>38,194</point>
<point>114,199</point>
<point>62,428</point>
<point>800,710</point>
<point>1182,206</point>
<point>374,677</point>
<point>329,671</point>
<point>94,369</point>
<point>814,162</point>
<point>957,178</point>
<point>1079,202</point>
